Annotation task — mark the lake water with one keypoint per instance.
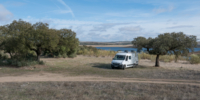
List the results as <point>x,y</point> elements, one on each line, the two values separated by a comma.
<point>129,49</point>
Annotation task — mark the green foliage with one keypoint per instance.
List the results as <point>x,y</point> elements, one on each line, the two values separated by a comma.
<point>173,43</point>
<point>20,38</point>
<point>3,56</point>
<point>141,42</point>
<point>67,44</point>
<point>167,43</point>
<point>41,38</point>
<point>20,60</point>
<point>21,63</point>
<point>13,40</point>
<point>194,59</point>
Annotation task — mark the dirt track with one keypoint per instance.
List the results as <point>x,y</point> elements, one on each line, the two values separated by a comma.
<point>41,77</point>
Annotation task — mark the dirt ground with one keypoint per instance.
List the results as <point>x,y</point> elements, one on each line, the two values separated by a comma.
<point>91,78</point>
<point>172,65</point>
<point>48,76</point>
<point>43,76</point>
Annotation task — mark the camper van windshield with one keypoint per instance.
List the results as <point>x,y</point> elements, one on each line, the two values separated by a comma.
<point>119,57</point>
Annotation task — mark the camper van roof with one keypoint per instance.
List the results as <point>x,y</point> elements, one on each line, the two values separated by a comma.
<point>124,53</point>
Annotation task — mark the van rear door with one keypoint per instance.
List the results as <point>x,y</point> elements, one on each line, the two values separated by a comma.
<point>129,61</point>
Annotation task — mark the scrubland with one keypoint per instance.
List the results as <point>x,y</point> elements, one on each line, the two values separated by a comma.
<point>88,65</point>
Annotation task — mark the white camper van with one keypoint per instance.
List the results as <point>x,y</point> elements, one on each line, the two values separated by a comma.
<point>125,59</point>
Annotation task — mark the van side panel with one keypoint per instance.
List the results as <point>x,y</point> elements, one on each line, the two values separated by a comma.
<point>133,58</point>
<point>136,58</point>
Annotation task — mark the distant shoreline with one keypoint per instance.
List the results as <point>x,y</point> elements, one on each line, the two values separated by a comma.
<point>124,46</point>
<point>130,46</point>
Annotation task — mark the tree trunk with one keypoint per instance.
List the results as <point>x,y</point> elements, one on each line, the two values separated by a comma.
<point>157,61</point>
<point>38,57</point>
<point>176,58</point>
<point>38,54</point>
<point>10,55</point>
<point>148,49</point>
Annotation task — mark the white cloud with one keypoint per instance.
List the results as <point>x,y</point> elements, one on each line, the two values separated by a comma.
<point>5,15</point>
<point>61,11</point>
<point>68,8</point>
<point>180,26</point>
<point>130,29</point>
<point>162,10</point>
<point>104,27</point>
<point>123,30</point>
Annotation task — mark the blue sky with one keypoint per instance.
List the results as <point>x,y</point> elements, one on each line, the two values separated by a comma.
<point>108,20</point>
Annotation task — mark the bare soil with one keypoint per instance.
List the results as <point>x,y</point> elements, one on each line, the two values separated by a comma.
<point>43,76</point>
<point>91,78</point>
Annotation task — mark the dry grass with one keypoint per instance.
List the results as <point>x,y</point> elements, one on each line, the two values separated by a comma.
<point>100,66</point>
<point>163,58</point>
<point>91,51</point>
<point>97,91</point>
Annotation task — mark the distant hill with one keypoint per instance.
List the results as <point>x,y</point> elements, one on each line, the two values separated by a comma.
<point>107,43</point>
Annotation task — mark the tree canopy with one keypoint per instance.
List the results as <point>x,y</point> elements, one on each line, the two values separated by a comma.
<point>21,37</point>
<point>167,43</point>
<point>141,42</point>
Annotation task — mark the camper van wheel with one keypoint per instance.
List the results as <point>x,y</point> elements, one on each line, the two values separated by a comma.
<point>124,67</point>
<point>134,65</point>
<point>112,67</point>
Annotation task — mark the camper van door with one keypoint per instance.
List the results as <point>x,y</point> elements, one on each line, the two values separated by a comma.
<point>129,62</point>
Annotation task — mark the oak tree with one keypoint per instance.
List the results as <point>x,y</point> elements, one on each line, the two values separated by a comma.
<point>168,43</point>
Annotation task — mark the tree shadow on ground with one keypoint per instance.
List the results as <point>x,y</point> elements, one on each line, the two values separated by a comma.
<point>8,66</point>
<point>108,66</point>
<point>101,65</point>
<point>143,67</point>
<point>4,65</point>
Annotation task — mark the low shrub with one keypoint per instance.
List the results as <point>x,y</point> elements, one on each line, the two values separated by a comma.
<point>182,58</point>
<point>144,55</point>
<point>194,59</point>
<point>167,58</point>
<point>92,51</point>
<point>21,63</point>
<point>164,58</point>
<point>41,62</point>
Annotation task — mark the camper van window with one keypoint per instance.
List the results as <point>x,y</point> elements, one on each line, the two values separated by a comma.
<point>119,57</point>
<point>129,57</point>
<point>126,58</point>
